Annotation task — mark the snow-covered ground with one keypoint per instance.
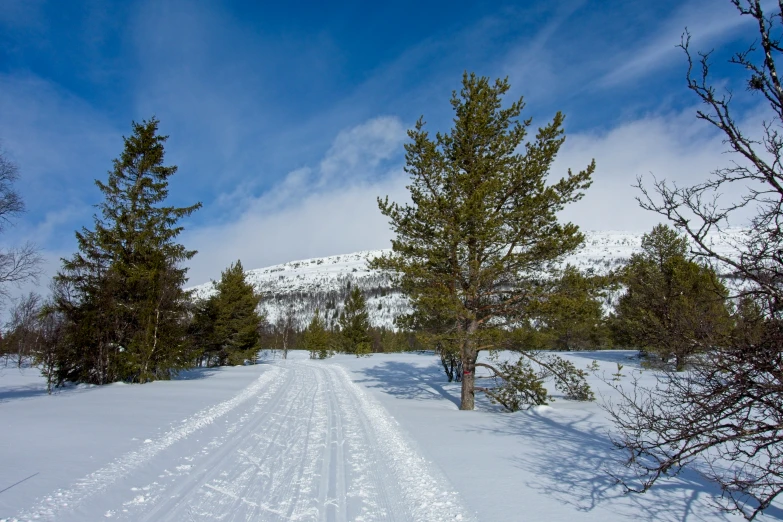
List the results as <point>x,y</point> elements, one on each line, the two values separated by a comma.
<point>376,438</point>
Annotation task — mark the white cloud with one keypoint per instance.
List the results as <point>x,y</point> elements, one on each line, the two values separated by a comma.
<point>675,147</point>
<point>302,218</point>
<point>312,212</point>
<point>61,144</point>
<point>362,149</point>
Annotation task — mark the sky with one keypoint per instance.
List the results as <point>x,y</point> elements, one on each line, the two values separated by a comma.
<point>288,119</point>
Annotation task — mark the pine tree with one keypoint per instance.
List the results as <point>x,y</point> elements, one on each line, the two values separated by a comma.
<point>122,292</point>
<point>673,307</point>
<point>316,338</point>
<point>571,317</point>
<point>236,317</point>
<point>482,226</point>
<point>355,324</point>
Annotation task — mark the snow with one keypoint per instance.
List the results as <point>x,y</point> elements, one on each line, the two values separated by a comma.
<point>310,284</point>
<point>377,438</point>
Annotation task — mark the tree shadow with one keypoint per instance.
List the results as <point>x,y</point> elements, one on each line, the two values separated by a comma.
<point>629,358</point>
<point>574,462</point>
<point>22,392</point>
<point>410,381</point>
<point>195,374</point>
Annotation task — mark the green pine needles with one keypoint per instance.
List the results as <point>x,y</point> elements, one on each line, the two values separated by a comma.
<point>673,307</point>
<point>317,339</point>
<point>354,324</point>
<point>482,227</point>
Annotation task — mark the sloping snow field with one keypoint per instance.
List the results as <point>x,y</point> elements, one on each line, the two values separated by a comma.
<point>376,438</point>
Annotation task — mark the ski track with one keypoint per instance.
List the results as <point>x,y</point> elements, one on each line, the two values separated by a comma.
<point>301,443</point>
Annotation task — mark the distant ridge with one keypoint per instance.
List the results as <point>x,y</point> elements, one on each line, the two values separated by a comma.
<point>321,283</point>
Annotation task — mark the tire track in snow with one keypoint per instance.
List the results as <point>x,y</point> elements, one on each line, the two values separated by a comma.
<point>98,481</point>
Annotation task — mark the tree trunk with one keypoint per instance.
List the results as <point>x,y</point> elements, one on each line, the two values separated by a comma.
<point>469,355</point>
<point>679,362</point>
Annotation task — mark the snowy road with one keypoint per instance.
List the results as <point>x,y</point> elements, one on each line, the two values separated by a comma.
<point>302,442</point>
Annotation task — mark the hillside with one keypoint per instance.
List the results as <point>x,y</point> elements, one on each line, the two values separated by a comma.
<point>322,283</point>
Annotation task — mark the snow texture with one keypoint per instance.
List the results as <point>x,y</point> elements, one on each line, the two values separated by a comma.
<point>321,283</point>
<point>301,442</point>
<point>361,439</point>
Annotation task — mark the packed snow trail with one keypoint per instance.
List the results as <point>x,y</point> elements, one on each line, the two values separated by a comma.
<point>301,443</point>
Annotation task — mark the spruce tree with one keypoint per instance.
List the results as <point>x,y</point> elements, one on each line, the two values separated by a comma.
<point>122,296</point>
<point>672,306</point>
<point>316,338</point>
<point>236,317</point>
<point>482,227</point>
<point>355,324</point>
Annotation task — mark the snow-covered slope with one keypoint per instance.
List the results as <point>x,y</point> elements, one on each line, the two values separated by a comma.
<point>303,286</point>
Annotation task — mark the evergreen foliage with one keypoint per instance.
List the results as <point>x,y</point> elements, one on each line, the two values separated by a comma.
<point>354,324</point>
<point>226,325</point>
<point>571,316</point>
<point>482,228</point>
<point>672,307</point>
<point>121,294</point>
<point>317,339</point>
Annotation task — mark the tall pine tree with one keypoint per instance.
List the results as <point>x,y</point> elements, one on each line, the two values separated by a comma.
<point>122,292</point>
<point>482,226</point>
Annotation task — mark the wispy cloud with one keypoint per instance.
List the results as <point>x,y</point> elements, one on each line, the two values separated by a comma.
<point>328,209</point>
<point>61,145</point>
<point>709,22</point>
<point>675,146</point>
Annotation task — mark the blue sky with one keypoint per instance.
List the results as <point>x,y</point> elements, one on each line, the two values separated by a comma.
<point>287,119</point>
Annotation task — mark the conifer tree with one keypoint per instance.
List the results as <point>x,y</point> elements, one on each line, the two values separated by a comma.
<point>236,317</point>
<point>482,226</point>
<point>316,338</point>
<point>673,307</point>
<point>571,317</point>
<point>122,297</point>
<point>355,324</point>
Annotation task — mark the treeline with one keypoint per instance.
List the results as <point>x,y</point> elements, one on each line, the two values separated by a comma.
<point>662,302</point>
<point>347,332</point>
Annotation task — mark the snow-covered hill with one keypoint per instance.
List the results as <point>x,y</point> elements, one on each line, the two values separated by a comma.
<point>301,287</point>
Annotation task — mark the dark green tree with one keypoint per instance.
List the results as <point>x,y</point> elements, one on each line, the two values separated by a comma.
<point>482,226</point>
<point>571,316</point>
<point>672,306</point>
<point>355,324</point>
<point>317,339</point>
<point>237,320</point>
<point>122,293</point>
